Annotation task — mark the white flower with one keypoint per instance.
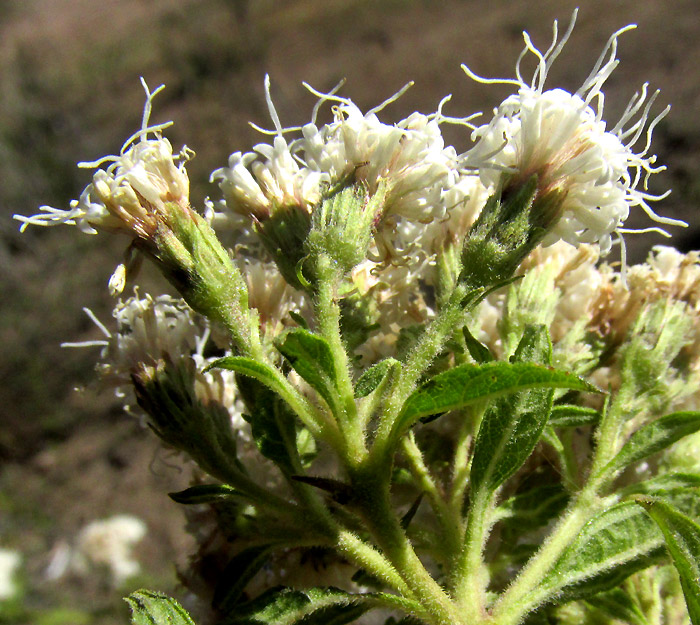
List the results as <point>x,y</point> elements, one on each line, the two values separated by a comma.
<point>271,296</point>
<point>132,193</point>
<point>147,329</point>
<point>421,174</point>
<point>260,182</point>
<point>10,561</point>
<point>150,329</point>
<point>410,158</point>
<point>563,139</point>
<point>109,543</point>
<point>257,183</point>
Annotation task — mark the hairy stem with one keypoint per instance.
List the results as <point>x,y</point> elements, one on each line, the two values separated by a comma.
<point>328,317</point>
<point>392,540</point>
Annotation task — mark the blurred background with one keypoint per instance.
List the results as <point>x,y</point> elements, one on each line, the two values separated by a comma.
<point>69,91</point>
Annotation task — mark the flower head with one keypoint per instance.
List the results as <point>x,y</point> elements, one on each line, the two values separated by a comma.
<point>134,192</point>
<point>408,163</point>
<point>562,138</point>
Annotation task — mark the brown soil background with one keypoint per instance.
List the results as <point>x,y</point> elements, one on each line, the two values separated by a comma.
<point>69,91</point>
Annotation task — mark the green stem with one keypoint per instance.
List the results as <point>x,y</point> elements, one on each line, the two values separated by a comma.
<point>471,576</point>
<point>369,559</point>
<point>607,443</point>
<point>462,462</point>
<point>418,361</point>
<point>392,540</point>
<point>328,317</point>
<point>449,526</point>
<point>523,595</point>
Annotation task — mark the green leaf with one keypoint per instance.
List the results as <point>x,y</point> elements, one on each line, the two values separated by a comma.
<point>469,383</point>
<point>312,358</point>
<point>149,607</point>
<point>272,423</point>
<point>313,606</point>
<point>372,378</point>
<point>568,416</point>
<point>609,548</point>
<point>234,578</point>
<point>533,508</point>
<point>619,605</point>
<point>654,437</point>
<point>512,425</point>
<point>298,319</point>
<point>477,350</point>
<point>248,367</point>
<point>663,483</point>
<point>613,545</point>
<point>206,493</point>
<point>682,537</point>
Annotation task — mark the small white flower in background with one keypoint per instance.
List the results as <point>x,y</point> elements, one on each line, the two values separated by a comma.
<point>563,139</point>
<point>10,561</point>
<point>109,543</point>
<point>130,195</point>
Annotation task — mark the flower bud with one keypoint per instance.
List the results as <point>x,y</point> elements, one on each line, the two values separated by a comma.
<point>166,393</point>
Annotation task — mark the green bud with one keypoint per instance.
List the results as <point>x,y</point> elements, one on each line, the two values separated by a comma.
<point>510,226</point>
<point>342,224</point>
<point>652,365</point>
<point>202,430</point>
<point>193,260</point>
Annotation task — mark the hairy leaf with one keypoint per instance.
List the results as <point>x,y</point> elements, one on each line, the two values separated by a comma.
<point>682,537</point>
<point>655,437</point>
<point>614,544</point>
<point>609,548</point>
<point>312,358</point>
<point>618,604</point>
<point>512,425</point>
<point>567,415</point>
<point>663,483</point>
<point>373,377</point>
<point>477,350</point>
<point>248,367</point>
<point>313,606</point>
<point>149,607</point>
<point>533,508</point>
<point>468,384</point>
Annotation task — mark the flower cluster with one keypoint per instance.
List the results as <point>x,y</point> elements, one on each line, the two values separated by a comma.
<point>132,193</point>
<point>563,139</point>
<point>421,175</point>
<point>373,280</point>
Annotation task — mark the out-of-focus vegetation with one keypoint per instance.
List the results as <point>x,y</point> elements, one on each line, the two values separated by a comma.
<point>69,91</point>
